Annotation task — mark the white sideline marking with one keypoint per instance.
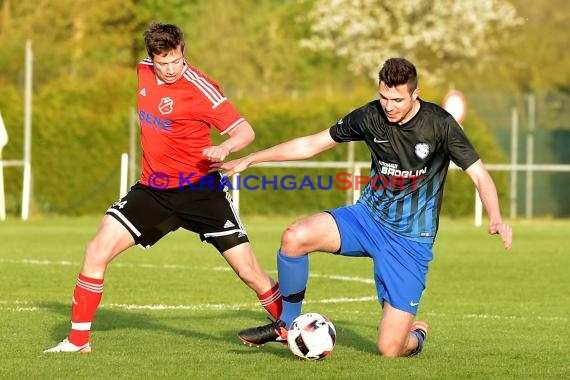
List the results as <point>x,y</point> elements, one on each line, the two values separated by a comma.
<point>510,317</point>
<point>115,265</point>
<point>224,306</point>
<point>30,307</point>
<point>198,307</point>
<point>175,266</point>
<point>27,306</point>
<point>343,278</point>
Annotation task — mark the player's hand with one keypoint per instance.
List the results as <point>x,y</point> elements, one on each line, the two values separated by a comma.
<point>235,166</point>
<point>215,166</point>
<point>504,231</point>
<point>216,153</point>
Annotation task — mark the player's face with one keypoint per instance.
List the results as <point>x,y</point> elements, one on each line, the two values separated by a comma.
<point>397,102</point>
<point>168,66</point>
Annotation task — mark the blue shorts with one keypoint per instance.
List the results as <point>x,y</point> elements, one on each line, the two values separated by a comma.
<point>400,265</point>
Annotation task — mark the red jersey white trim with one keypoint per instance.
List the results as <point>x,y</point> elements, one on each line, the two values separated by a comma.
<point>176,120</point>
<point>211,92</point>
<point>232,126</point>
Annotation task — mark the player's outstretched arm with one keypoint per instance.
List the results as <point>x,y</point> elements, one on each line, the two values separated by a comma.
<point>488,194</point>
<point>300,148</point>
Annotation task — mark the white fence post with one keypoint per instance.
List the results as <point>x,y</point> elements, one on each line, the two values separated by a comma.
<point>514,160</point>
<point>2,198</point>
<point>27,185</point>
<point>3,142</point>
<point>355,191</point>
<point>235,191</point>
<point>124,175</point>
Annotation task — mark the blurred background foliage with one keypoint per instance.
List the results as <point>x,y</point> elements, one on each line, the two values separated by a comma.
<point>84,88</point>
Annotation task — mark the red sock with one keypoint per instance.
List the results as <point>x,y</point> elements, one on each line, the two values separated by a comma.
<point>86,298</point>
<point>272,301</point>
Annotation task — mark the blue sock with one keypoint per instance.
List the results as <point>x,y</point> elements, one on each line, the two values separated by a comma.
<point>421,337</point>
<point>293,273</point>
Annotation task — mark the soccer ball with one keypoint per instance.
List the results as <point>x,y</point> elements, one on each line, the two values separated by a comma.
<point>311,336</point>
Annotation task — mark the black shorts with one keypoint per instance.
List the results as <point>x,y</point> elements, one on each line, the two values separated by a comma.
<point>149,214</point>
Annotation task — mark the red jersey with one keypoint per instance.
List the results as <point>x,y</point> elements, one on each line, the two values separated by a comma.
<point>175,122</point>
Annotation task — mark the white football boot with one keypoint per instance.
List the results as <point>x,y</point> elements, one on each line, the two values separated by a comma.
<point>67,346</point>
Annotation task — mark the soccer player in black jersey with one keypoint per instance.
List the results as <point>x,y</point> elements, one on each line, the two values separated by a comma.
<point>395,220</point>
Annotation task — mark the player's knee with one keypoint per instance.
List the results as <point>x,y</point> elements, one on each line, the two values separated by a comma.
<point>390,349</point>
<point>294,239</point>
<point>96,258</point>
<point>91,249</point>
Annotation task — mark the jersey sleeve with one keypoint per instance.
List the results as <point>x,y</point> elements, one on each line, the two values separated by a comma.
<point>350,127</point>
<point>213,106</point>
<point>224,117</point>
<point>458,146</point>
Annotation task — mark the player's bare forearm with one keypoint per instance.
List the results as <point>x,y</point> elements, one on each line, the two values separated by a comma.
<point>488,195</point>
<point>240,137</point>
<point>299,148</point>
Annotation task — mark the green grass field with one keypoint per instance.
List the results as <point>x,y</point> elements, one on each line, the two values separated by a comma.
<point>173,311</point>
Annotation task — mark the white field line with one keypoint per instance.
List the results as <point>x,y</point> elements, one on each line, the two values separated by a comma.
<point>172,266</point>
<point>198,307</point>
<point>115,265</point>
<point>30,306</point>
<point>501,317</point>
<point>26,306</point>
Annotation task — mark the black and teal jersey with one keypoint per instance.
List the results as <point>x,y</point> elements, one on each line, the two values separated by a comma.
<point>409,164</point>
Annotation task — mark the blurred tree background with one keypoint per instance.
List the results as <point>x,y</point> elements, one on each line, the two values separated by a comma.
<point>291,67</point>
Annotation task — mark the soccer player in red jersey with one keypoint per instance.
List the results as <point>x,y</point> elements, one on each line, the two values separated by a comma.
<point>177,105</point>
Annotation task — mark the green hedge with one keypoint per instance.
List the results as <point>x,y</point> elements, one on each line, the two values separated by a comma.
<point>80,131</point>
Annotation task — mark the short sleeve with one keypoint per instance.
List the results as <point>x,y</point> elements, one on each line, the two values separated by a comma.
<point>350,127</point>
<point>459,148</point>
<point>224,117</point>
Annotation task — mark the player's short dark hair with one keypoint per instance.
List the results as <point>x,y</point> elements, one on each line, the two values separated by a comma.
<point>162,38</point>
<point>398,71</point>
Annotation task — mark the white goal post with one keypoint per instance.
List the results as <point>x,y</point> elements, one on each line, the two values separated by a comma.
<point>26,162</point>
